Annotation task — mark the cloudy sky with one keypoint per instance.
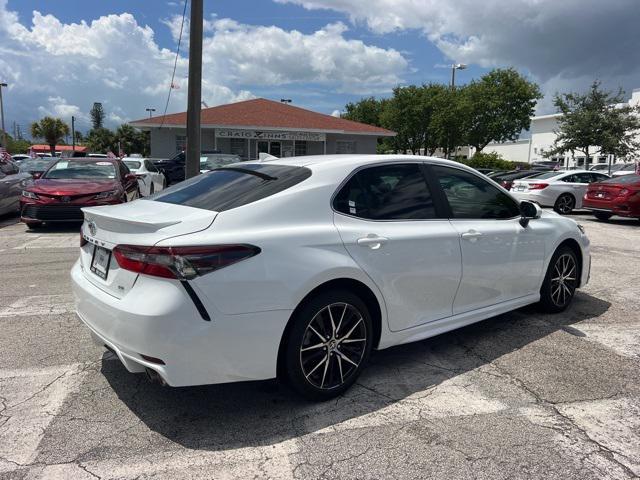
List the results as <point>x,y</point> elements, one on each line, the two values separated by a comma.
<point>61,56</point>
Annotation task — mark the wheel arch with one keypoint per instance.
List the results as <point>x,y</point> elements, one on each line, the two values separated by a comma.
<point>575,247</point>
<point>362,290</point>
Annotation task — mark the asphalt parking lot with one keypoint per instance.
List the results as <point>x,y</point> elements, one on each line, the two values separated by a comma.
<point>524,395</point>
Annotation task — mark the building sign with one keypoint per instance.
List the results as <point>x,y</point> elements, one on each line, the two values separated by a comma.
<point>271,135</point>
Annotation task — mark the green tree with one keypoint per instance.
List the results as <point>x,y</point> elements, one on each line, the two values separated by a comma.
<point>500,106</point>
<point>97,116</point>
<point>132,140</point>
<point>449,121</point>
<point>101,140</point>
<point>366,110</point>
<point>404,113</point>
<point>18,145</point>
<point>51,130</point>
<point>593,119</point>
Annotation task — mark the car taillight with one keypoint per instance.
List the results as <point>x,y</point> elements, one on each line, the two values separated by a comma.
<point>538,186</point>
<point>182,263</point>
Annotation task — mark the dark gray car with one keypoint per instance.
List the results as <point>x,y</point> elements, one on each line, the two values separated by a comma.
<point>11,181</point>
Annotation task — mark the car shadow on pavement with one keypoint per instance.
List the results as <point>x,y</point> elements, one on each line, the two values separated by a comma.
<point>221,417</point>
<point>62,227</point>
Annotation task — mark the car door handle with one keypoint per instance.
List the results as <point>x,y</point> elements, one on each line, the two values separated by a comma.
<point>471,235</point>
<point>372,241</point>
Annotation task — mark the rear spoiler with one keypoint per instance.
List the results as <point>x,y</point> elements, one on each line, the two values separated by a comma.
<point>94,212</point>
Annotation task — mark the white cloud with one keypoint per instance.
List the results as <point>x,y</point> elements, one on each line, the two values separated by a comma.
<point>568,42</point>
<point>62,68</point>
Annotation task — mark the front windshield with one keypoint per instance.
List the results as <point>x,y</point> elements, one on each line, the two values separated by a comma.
<point>132,164</point>
<point>34,165</point>
<point>70,169</point>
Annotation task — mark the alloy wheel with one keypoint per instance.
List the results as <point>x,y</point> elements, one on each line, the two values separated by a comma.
<point>563,280</point>
<point>333,345</point>
<point>565,204</point>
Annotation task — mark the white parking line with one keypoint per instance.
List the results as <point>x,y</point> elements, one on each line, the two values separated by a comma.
<point>50,241</point>
<point>29,401</point>
<point>39,305</point>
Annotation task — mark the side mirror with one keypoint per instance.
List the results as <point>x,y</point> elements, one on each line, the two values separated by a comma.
<point>528,211</point>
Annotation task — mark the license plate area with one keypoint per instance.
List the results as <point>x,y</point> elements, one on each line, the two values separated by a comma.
<point>100,261</point>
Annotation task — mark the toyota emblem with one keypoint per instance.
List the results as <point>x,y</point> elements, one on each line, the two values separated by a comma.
<point>93,229</point>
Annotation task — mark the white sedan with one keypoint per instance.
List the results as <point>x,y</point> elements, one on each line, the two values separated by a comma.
<point>299,267</point>
<point>150,179</point>
<point>561,190</point>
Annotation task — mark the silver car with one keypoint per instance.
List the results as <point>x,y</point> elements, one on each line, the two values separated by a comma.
<point>11,182</point>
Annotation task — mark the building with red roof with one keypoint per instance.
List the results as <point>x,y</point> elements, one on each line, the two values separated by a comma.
<point>253,126</point>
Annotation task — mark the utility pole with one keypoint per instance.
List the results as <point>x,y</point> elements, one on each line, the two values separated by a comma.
<point>4,133</point>
<point>194,94</point>
<point>73,133</point>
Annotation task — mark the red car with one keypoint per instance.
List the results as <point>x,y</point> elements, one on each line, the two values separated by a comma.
<point>72,183</point>
<point>615,196</point>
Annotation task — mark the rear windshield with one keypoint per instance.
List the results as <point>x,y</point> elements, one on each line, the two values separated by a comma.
<point>624,179</point>
<point>132,164</point>
<point>81,170</point>
<point>231,187</point>
<point>546,175</point>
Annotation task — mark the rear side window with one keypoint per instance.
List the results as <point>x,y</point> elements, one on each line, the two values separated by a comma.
<point>470,196</point>
<point>230,187</point>
<point>388,192</point>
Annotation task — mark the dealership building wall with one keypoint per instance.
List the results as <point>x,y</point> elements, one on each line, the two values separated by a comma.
<point>259,125</point>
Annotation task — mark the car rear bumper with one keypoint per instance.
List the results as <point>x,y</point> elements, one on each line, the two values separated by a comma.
<point>622,207</point>
<point>157,318</point>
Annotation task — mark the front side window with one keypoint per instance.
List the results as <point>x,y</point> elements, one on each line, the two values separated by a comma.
<point>470,196</point>
<point>388,192</point>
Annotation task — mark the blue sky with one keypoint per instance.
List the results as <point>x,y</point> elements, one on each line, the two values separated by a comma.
<point>60,56</point>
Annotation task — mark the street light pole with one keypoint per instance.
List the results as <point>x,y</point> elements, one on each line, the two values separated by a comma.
<point>450,143</point>
<point>73,133</point>
<point>194,94</point>
<point>454,67</point>
<point>4,133</point>
<point>150,110</point>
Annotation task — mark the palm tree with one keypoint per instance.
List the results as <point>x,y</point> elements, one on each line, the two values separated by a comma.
<point>52,130</point>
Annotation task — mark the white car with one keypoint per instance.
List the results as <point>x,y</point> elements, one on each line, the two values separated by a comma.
<point>626,169</point>
<point>561,190</point>
<point>150,179</point>
<point>299,267</point>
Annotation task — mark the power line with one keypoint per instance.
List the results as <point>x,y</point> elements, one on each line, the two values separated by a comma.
<point>175,63</point>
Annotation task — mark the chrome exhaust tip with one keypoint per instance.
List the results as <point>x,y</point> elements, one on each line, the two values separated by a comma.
<point>154,377</point>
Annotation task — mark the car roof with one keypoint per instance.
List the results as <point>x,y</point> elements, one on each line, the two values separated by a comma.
<point>350,162</point>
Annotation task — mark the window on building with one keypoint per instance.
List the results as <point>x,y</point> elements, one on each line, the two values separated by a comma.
<point>181,143</point>
<point>301,149</point>
<point>344,147</point>
<point>239,147</point>
<point>602,159</point>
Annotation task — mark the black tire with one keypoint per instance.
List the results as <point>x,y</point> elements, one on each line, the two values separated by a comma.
<point>34,225</point>
<point>323,368</point>
<point>164,183</point>
<point>560,282</point>
<point>151,189</point>
<point>565,204</point>
<point>603,216</point>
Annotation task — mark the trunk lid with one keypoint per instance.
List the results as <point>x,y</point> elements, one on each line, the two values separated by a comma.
<point>143,222</point>
<point>604,191</point>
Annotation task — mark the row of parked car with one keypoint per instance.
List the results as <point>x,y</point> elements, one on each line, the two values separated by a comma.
<point>51,189</point>
<point>604,195</point>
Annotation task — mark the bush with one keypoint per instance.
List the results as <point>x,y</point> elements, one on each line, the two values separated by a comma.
<point>492,160</point>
